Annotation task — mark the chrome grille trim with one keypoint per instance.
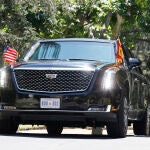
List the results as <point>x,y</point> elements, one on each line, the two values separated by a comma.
<point>52,68</point>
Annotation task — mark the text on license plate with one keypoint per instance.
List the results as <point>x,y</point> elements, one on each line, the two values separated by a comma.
<point>50,103</point>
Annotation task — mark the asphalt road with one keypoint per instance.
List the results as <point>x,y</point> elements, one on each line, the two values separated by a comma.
<point>71,139</point>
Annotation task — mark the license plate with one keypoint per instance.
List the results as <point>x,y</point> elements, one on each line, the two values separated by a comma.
<point>50,103</point>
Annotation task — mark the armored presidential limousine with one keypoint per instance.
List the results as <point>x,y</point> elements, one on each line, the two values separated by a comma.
<point>75,83</point>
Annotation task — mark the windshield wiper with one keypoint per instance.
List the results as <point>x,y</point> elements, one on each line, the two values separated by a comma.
<point>69,59</point>
<point>54,59</point>
<point>82,59</point>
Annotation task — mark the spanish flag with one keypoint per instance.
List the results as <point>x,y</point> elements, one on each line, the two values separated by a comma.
<point>119,55</point>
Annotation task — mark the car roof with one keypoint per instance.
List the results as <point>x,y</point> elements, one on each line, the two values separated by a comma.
<point>79,40</point>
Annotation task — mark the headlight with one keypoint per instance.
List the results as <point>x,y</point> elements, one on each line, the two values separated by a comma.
<point>108,80</point>
<point>3,78</point>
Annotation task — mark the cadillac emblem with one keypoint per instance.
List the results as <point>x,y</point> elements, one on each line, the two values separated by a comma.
<point>51,76</point>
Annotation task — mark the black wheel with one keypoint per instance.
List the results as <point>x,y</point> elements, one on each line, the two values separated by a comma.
<point>54,129</point>
<point>119,128</point>
<point>8,127</point>
<point>143,127</point>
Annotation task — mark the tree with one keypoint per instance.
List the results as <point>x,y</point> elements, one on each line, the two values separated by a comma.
<point>15,28</point>
<point>24,21</point>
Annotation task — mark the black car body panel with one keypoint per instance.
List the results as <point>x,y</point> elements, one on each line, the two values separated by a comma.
<point>83,92</point>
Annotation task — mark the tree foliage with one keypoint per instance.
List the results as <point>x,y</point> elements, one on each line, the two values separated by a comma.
<point>24,21</point>
<point>73,18</point>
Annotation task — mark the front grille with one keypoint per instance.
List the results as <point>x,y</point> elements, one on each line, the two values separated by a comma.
<point>65,81</point>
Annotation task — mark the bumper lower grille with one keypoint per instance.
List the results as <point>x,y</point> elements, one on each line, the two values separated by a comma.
<point>52,81</point>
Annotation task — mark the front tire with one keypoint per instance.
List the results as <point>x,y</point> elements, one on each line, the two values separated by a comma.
<point>119,128</point>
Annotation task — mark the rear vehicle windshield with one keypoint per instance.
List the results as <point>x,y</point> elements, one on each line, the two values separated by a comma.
<point>75,50</point>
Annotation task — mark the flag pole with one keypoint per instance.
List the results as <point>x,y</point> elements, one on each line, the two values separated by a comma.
<point>5,44</point>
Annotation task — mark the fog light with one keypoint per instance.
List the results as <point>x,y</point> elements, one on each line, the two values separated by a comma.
<point>97,108</point>
<point>9,107</point>
<point>106,108</point>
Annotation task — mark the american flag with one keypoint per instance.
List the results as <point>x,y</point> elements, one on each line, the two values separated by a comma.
<point>10,54</point>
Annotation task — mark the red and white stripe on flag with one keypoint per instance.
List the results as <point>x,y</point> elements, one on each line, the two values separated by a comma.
<point>10,55</point>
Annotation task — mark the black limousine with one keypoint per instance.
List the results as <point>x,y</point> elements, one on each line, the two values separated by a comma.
<point>75,83</point>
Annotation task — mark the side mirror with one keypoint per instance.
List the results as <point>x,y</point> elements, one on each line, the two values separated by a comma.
<point>133,62</point>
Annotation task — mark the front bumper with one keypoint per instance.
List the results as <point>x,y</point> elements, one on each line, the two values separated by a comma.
<point>66,117</point>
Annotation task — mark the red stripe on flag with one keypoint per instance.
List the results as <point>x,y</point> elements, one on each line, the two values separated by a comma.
<point>10,55</point>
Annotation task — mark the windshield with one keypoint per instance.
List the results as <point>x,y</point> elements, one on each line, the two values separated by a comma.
<point>103,52</point>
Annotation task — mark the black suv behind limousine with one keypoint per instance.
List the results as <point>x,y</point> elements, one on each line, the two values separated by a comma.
<point>75,83</point>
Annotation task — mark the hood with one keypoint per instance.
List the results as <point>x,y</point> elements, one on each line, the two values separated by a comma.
<point>61,65</point>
